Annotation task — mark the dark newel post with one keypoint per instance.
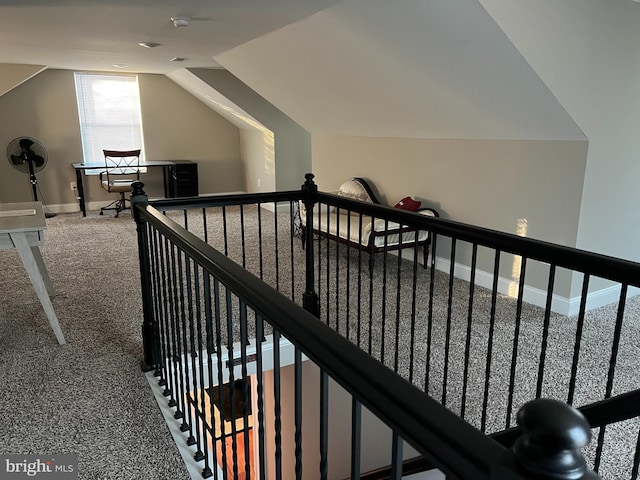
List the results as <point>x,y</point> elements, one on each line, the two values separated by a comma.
<point>553,434</point>
<point>150,343</point>
<point>310,300</point>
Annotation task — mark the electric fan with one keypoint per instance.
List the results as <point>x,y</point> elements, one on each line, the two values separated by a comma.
<point>28,155</point>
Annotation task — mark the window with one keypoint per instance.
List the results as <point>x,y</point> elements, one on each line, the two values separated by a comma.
<point>109,112</point>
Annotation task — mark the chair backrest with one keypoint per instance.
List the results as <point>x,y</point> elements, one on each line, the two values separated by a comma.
<point>122,162</point>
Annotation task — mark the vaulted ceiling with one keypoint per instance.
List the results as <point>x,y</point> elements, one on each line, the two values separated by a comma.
<point>415,68</point>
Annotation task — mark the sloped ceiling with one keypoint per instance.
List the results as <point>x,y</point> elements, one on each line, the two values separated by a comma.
<point>96,34</point>
<point>419,68</point>
<point>12,75</point>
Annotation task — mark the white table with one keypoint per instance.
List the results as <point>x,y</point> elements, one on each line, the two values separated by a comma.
<point>21,227</point>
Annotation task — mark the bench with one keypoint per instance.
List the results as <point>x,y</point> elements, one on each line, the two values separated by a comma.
<point>366,235</point>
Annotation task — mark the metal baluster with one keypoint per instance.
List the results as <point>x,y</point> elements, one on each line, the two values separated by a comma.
<point>398,290</point>
<point>291,249</point>
<point>204,453</point>
<point>160,312</point>
<point>370,347</point>
<point>168,392</point>
<point>348,279</point>
<point>188,343</point>
<point>336,296</point>
<point>260,241</point>
<point>359,295</point>
<point>177,349</point>
<point>324,424</point>
<point>157,305</point>
<point>204,225</point>
<point>231,381</point>
<point>260,398</point>
<point>414,281</point>
<point>432,279</point>
<point>244,341</point>
<point>328,257</point>
<point>184,362</point>
<point>356,436</point>
<point>579,330</point>
<point>225,231</point>
<point>242,239</point>
<point>492,322</point>
<point>447,339</point>
<point>516,340</point>
<point>467,344</point>
<point>612,367</point>
<point>277,404</point>
<point>211,349</point>
<point>545,330</point>
<point>276,241</point>
<point>396,456</point>
<point>383,318</point>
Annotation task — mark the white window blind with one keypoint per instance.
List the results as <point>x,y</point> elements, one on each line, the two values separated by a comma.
<point>109,112</point>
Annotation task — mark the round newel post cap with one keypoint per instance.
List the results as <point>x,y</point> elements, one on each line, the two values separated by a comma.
<point>308,178</point>
<point>137,189</point>
<point>553,434</point>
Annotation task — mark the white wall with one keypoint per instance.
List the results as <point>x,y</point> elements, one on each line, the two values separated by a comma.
<point>588,54</point>
<point>376,436</point>
<point>436,69</point>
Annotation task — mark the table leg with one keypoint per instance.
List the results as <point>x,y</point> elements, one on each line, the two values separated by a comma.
<point>80,186</point>
<point>167,174</point>
<point>43,270</point>
<point>35,275</point>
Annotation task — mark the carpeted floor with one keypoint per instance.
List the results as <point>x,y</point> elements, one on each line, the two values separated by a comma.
<point>90,397</point>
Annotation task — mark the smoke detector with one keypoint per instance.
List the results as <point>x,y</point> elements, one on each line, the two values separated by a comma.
<point>180,21</point>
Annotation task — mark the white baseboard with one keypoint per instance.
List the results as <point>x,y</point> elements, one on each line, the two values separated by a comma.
<point>281,207</point>
<point>535,296</point>
<point>563,305</point>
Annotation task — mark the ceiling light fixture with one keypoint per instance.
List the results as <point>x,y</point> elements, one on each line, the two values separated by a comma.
<point>178,59</point>
<point>120,65</point>
<point>149,44</point>
<point>180,21</point>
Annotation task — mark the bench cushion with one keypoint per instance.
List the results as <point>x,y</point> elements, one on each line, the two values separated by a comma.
<point>350,227</point>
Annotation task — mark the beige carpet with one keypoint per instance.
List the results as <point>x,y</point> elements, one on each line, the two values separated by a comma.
<point>90,397</point>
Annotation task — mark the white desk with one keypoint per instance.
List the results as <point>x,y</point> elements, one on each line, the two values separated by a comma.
<point>21,227</point>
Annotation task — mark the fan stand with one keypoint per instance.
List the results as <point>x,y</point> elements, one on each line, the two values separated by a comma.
<point>34,186</point>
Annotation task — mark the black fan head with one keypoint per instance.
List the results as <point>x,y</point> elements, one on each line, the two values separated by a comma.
<point>22,151</point>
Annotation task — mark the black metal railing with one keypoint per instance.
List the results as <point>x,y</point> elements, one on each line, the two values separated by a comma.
<point>465,331</point>
<point>213,323</point>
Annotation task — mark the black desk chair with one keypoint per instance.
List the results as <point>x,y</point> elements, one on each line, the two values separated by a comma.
<point>122,168</point>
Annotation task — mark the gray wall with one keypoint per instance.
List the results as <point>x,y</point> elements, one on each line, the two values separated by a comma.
<point>587,53</point>
<point>176,126</point>
<point>530,188</point>
<point>292,143</point>
<point>376,437</point>
<point>496,184</point>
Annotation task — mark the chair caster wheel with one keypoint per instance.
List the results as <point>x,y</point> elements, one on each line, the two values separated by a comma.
<point>101,212</point>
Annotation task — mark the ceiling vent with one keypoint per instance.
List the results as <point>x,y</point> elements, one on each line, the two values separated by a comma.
<point>180,21</point>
